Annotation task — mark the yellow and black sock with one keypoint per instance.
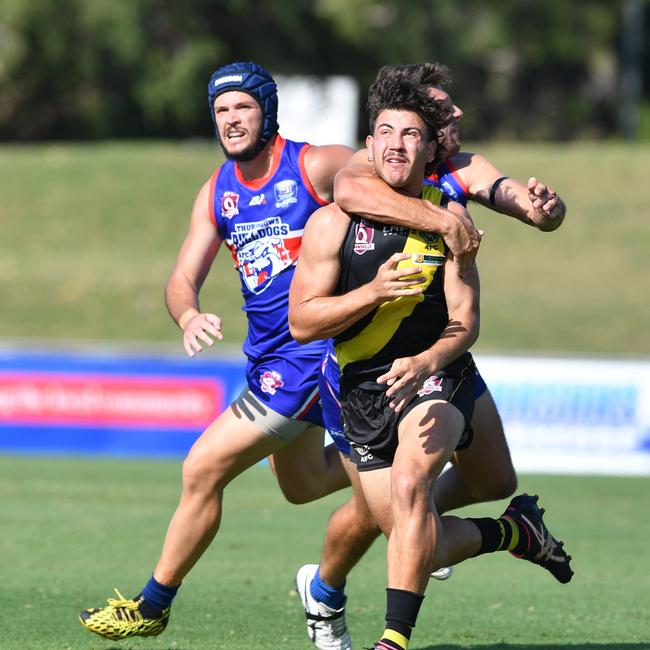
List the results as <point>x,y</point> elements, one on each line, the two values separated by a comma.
<point>402,608</point>
<point>502,534</point>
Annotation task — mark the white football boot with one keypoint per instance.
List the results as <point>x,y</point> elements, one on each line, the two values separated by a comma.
<point>443,573</point>
<point>326,627</point>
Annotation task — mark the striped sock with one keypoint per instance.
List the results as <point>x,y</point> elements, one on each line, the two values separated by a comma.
<point>500,534</point>
<point>385,644</point>
<point>402,609</point>
<point>391,640</point>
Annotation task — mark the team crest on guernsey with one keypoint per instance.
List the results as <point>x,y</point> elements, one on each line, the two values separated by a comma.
<point>449,190</point>
<point>286,193</point>
<point>270,381</point>
<point>431,385</point>
<point>363,237</point>
<point>229,204</point>
<point>263,250</point>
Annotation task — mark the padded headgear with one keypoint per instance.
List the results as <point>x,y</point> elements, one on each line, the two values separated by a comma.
<point>253,79</point>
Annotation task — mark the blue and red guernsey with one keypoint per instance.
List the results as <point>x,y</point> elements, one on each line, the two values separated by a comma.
<point>262,223</point>
<point>446,178</point>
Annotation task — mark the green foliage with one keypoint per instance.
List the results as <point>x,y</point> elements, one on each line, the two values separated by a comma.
<point>75,528</point>
<point>91,68</point>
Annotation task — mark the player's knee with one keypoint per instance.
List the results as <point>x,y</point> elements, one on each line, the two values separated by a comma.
<point>354,522</point>
<point>199,474</point>
<point>501,486</point>
<point>297,493</point>
<point>360,518</point>
<point>505,485</point>
<point>409,490</point>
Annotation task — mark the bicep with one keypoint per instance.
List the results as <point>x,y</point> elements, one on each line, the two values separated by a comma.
<point>322,164</point>
<point>318,267</point>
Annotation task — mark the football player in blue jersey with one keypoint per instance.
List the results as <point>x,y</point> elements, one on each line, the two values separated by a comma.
<point>484,471</point>
<point>257,204</point>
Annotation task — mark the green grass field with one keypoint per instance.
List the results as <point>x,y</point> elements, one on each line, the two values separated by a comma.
<point>90,233</point>
<point>72,529</point>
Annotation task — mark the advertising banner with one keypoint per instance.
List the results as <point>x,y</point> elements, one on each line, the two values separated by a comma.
<point>573,415</point>
<point>104,403</point>
<point>560,415</point>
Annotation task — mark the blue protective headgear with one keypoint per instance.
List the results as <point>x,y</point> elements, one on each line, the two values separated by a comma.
<point>248,77</point>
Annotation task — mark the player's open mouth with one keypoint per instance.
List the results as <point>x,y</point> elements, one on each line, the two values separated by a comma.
<point>235,135</point>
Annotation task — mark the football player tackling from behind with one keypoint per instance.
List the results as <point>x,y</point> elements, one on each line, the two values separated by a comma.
<point>403,318</point>
<point>483,471</point>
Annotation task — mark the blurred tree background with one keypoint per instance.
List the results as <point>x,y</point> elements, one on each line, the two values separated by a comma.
<point>89,69</point>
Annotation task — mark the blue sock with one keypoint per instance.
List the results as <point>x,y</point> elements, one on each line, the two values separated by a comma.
<point>333,597</point>
<point>157,595</point>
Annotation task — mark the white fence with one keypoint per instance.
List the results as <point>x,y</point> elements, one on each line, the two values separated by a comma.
<point>573,415</point>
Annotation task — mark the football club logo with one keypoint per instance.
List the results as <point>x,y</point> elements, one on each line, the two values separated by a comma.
<point>363,238</point>
<point>431,385</point>
<point>364,453</point>
<point>270,381</point>
<point>258,199</point>
<point>450,190</point>
<point>229,202</point>
<point>263,250</point>
<point>429,237</point>
<point>428,259</point>
<point>286,193</point>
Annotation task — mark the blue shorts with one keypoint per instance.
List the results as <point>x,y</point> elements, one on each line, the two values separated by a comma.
<point>288,384</point>
<point>479,385</point>
<point>330,389</point>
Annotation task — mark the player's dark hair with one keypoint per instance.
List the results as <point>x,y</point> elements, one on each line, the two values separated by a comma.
<point>426,74</point>
<point>403,94</point>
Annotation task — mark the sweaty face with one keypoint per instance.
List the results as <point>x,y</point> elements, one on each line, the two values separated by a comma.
<point>400,149</point>
<point>239,122</point>
<point>450,135</point>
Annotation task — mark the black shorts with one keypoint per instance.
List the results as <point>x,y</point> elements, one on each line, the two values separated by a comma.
<point>371,425</point>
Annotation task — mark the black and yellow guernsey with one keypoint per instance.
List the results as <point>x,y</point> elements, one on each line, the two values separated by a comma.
<point>397,328</point>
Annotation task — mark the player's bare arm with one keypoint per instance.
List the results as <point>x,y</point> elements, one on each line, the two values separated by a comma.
<point>314,312</point>
<point>321,165</point>
<point>407,375</point>
<point>359,190</point>
<point>192,265</point>
<point>535,204</point>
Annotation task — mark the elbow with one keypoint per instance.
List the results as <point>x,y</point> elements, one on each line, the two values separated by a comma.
<point>475,332</point>
<point>299,332</point>
<point>345,193</point>
<point>303,321</point>
<point>301,336</point>
<point>473,328</point>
